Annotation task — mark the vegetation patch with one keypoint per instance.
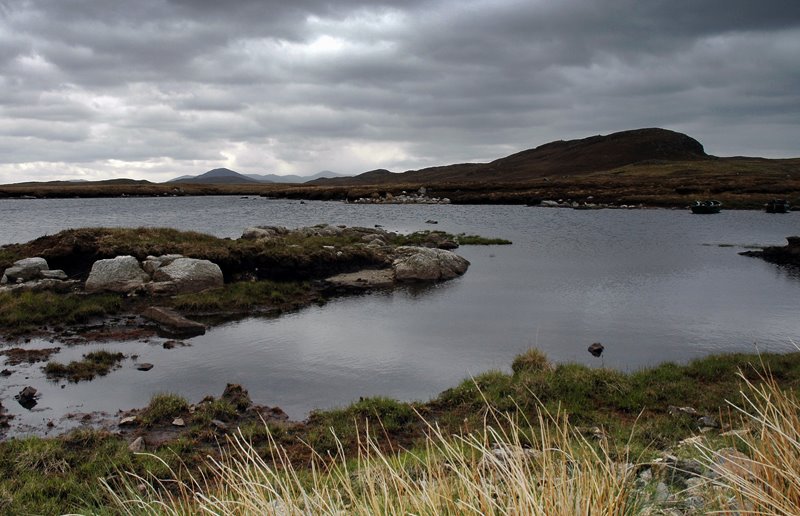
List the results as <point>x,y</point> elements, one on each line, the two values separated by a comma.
<point>463,239</point>
<point>163,408</point>
<point>244,296</point>
<point>16,356</point>
<point>96,363</point>
<point>24,311</point>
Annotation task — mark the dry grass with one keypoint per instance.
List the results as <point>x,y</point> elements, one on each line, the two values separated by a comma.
<point>489,472</point>
<point>765,479</point>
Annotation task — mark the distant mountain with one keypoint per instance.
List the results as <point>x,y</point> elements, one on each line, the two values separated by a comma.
<point>559,158</point>
<point>216,176</point>
<point>275,178</point>
<point>227,176</point>
<point>77,182</point>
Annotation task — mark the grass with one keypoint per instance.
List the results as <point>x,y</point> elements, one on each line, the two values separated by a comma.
<point>447,455</point>
<point>243,296</point>
<point>96,363</point>
<point>766,478</point>
<point>463,239</point>
<point>21,311</point>
<point>163,408</point>
<point>487,472</point>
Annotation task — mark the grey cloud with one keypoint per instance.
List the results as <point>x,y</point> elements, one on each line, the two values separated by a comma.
<point>303,85</point>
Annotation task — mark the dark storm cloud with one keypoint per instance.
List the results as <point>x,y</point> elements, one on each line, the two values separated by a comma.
<point>157,88</point>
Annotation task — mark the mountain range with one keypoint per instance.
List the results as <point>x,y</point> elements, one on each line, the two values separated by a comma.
<point>227,176</point>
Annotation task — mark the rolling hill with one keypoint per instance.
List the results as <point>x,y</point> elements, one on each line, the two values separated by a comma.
<point>559,158</point>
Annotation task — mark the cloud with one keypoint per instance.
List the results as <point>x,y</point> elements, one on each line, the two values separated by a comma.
<point>158,88</point>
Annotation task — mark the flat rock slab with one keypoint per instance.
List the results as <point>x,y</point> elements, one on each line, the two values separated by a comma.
<point>382,278</point>
<point>172,322</point>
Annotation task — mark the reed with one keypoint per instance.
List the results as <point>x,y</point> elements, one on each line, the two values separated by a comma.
<point>507,467</point>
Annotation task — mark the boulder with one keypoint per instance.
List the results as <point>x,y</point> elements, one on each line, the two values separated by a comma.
<point>120,274</point>
<point>262,232</point>
<point>191,274</point>
<point>427,264</point>
<point>26,269</point>
<point>153,263</point>
<point>161,288</point>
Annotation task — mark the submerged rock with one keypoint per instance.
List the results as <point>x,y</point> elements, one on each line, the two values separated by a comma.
<point>172,322</point>
<point>120,274</point>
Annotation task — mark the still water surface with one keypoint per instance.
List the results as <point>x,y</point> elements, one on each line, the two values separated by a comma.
<point>651,285</point>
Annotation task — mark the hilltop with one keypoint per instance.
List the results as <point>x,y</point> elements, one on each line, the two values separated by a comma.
<point>562,158</point>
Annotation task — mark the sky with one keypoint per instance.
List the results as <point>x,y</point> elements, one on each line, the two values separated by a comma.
<point>154,89</point>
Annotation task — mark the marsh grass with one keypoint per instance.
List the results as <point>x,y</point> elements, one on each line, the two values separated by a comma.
<point>491,471</point>
<point>26,310</point>
<point>243,295</point>
<point>163,407</point>
<point>766,478</point>
<point>96,363</point>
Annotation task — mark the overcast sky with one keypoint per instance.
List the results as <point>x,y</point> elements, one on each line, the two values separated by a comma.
<point>153,89</point>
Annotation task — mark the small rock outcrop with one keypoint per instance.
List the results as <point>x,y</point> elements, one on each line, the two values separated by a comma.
<point>427,264</point>
<point>781,255</point>
<point>190,274</point>
<point>120,274</point>
<point>35,274</point>
<point>363,280</point>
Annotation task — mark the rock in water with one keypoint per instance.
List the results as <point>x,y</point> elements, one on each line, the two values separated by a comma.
<point>596,349</point>
<point>425,264</point>
<point>191,274</point>
<point>172,322</point>
<point>120,274</point>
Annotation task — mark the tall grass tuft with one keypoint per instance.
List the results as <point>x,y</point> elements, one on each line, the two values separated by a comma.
<point>765,479</point>
<point>497,470</point>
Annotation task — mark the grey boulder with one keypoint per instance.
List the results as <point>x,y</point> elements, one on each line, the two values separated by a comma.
<point>427,264</point>
<point>190,274</point>
<point>26,269</point>
<point>120,274</point>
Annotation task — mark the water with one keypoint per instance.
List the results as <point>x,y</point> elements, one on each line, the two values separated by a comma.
<point>651,285</point>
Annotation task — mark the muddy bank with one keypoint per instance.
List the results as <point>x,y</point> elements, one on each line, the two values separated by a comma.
<point>788,254</point>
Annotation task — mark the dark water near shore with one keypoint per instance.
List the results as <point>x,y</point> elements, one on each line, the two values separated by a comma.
<point>652,285</point>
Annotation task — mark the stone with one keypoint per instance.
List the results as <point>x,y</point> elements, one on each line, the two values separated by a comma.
<point>731,462</point>
<point>161,288</point>
<point>172,322</point>
<point>263,232</point>
<point>26,269</point>
<point>28,393</point>
<point>191,274</point>
<point>677,411</point>
<point>120,274</point>
<point>596,349</point>
<point>170,344</point>
<point>708,421</point>
<point>426,264</point>
<point>362,280</point>
<point>56,274</point>
<point>137,445</point>
<point>237,396</point>
<point>126,421</point>
<point>144,366</point>
<point>219,425</point>
<point>178,422</point>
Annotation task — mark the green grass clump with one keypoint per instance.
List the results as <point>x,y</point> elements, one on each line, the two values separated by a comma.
<point>531,361</point>
<point>163,407</point>
<point>96,363</point>
<point>27,310</point>
<point>243,296</point>
<point>463,239</point>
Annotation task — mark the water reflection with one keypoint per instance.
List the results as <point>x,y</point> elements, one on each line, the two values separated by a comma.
<point>646,284</point>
